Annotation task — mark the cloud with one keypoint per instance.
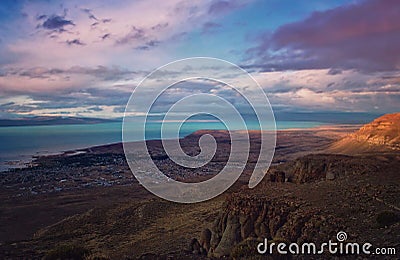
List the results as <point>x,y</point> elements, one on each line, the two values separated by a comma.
<point>312,90</point>
<point>75,42</point>
<point>100,72</point>
<point>148,45</point>
<point>210,27</point>
<point>74,57</point>
<point>124,36</point>
<point>105,36</point>
<point>99,101</point>
<point>90,14</point>
<point>159,26</point>
<point>95,108</point>
<point>92,58</point>
<point>366,101</point>
<point>334,71</point>
<point>220,7</point>
<point>135,35</point>
<point>41,17</point>
<point>56,22</point>
<point>363,36</point>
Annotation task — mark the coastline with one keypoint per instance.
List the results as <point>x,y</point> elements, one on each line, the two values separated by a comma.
<point>29,160</point>
<point>75,178</point>
<point>73,189</point>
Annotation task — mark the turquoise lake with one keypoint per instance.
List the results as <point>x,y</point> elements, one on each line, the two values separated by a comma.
<point>19,144</point>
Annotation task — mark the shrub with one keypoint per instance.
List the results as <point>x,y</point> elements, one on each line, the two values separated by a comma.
<point>387,218</point>
<point>247,249</point>
<point>64,252</point>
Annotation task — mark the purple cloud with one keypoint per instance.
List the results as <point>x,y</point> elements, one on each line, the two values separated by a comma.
<point>221,7</point>
<point>56,22</point>
<point>159,26</point>
<point>134,35</point>
<point>90,14</point>
<point>105,36</point>
<point>75,42</point>
<point>210,27</point>
<point>148,45</point>
<point>100,72</point>
<point>41,17</point>
<point>218,7</point>
<point>363,36</point>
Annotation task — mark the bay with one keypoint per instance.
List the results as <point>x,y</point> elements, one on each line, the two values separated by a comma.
<point>19,144</point>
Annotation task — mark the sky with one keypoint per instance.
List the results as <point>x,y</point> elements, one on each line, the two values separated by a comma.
<point>84,58</point>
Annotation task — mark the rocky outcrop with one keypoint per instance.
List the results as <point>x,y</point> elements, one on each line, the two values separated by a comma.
<point>205,239</point>
<point>315,167</point>
<point>248,219</point>
<point>381,134</point>
<point>384,130</point>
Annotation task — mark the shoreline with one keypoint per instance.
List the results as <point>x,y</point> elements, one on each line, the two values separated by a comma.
<point>14,164</point>
<point>97,178</point>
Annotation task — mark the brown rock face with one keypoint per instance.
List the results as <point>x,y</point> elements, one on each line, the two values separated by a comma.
<point>317,167</point>
<point>205,239</point>
<point>384,130</point>
<point>251,218</point>
<point>381,134</point>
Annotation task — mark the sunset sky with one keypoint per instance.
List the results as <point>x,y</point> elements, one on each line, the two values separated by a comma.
<point>84,58</point>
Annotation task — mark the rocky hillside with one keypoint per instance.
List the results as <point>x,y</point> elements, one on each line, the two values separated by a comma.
<point>317,167</point>
<point>381,134</point>
<point>310,199</point>
<point>247,219</point>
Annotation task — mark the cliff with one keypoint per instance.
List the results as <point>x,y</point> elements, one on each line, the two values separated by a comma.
<point>382,134</point>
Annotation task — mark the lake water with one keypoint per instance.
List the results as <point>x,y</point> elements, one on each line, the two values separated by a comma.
<point>19,144</point>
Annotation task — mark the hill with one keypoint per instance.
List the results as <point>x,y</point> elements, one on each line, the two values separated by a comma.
<point>382,134</point>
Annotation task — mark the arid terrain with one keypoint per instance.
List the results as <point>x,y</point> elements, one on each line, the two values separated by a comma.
<point>87,204</point>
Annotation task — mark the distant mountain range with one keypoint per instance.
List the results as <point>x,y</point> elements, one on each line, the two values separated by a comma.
<point>49,120</point>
